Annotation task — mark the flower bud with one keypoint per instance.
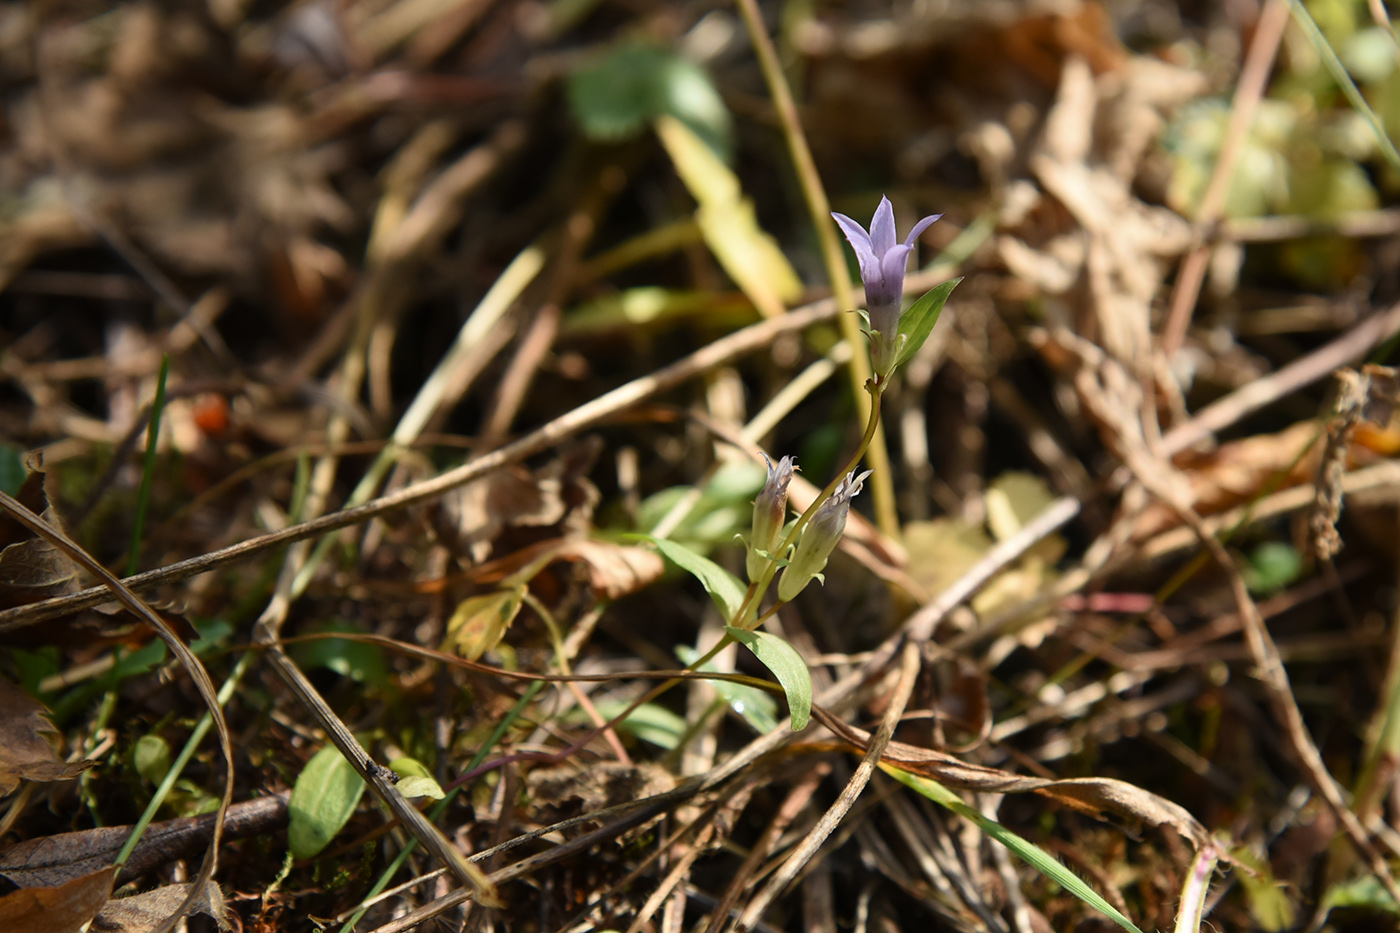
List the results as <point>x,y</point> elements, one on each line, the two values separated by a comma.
<point>769,515</point>
<point>819,537</point>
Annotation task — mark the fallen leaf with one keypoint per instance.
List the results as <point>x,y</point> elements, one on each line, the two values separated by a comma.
<point>58,859</point>
<point>142,913</point>
<point>25,751</point>
<point>65,908</point>
<point>31,568</point>
<point>479,623</point>
<point>614,570</point>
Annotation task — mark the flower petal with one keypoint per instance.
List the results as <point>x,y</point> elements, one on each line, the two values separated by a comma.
<point>882,235</point>
<point>919,228</point>
<point>860,242</point>
<point>892,273</point>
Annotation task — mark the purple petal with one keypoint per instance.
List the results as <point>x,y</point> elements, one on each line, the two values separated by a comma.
<point>892,273</point>
<point>919,228</point>
<point>860,242</point>
<point>882,235</point>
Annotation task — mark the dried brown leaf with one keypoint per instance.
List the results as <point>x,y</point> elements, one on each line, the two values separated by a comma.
<point>31,568</point>
<point>66,908</point>
<point>58,859</point>
<point>614,570</point>
<point>142,913</point>
<point>25,751</point>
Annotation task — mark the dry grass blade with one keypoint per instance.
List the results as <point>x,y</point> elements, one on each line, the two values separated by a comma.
<point>137,607</point>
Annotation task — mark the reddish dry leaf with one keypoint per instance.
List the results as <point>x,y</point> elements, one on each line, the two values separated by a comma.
<point>142,913</point>
<point>25,752</point>
<point>66,908</point>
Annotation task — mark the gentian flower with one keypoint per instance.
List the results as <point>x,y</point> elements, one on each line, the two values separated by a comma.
<point>769,515</point>
<point>882,263</point>
<point>819,537</point>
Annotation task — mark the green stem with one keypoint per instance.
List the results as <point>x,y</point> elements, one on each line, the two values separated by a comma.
<point>178,767</point>
<point>882,482</point>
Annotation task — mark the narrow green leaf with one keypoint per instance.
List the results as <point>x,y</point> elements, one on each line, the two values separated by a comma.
<point>758,709</point>
<point>1037,858</point>
<point>326,794</point>
<point>648,722</point>
<point>724,588</point>
<point>787,665</point>
<point>917,323</point>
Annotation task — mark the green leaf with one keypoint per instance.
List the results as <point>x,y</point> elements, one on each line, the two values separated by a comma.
<point>152,758</point>
<point>724,588</point>
<point>757,708</point>
<point>326,794</point>
<point>12,471</point>
<point>415,780</point>
<point>917,323</point>
<point>648,722</point>
<point>615,96</point>
<point>787,665</point>
<point>357,660</point>
<point>1037,858</point>
<point>1272,566</point>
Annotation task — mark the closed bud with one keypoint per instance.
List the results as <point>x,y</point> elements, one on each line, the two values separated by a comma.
<point>819,538</point>
<point>769,515</point>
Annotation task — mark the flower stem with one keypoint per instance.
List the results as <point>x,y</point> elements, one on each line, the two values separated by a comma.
<point>882,481</point>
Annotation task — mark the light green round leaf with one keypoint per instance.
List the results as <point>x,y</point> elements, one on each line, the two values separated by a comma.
<point>415,780</point>
<point>152,758</point>
<point>326,794</point>
<point>787,665</point>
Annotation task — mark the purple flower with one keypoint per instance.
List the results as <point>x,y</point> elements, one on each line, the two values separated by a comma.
<point>769,514</point>
<point>882,263</point>
<point>819,537</point>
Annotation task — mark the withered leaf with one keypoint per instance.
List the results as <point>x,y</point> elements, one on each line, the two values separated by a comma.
<point>31,568</point>
<point>65,908</point>
<point>614,570</point>
<point>479,623</point>
<point>57,859</point>
<point>142,913</point>
<point>25,751</point>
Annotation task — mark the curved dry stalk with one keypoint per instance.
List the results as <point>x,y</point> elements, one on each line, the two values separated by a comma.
<point>137,607</point>
<point>585,416</point>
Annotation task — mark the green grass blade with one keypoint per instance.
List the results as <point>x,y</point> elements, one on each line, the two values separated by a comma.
<point>1348,86</point>
<point>1041,861</point>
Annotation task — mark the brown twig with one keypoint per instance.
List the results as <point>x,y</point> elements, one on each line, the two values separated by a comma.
<point>1253,78</point>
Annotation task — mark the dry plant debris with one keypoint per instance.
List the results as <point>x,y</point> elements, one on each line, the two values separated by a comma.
<point>466,329</point>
